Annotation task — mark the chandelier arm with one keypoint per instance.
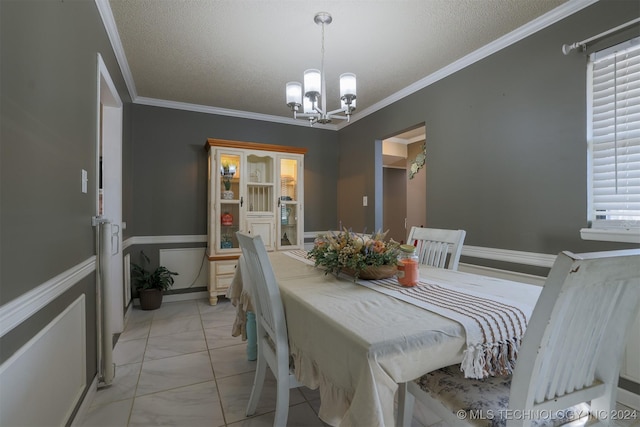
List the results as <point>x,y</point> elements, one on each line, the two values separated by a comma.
<point>338,111</point>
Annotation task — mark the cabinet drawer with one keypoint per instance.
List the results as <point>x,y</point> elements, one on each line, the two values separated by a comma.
<point>225,267</point>
<point>223,282</point>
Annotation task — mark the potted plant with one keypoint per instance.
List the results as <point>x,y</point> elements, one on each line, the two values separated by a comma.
<point>227,171</point>
<point>151,284</point>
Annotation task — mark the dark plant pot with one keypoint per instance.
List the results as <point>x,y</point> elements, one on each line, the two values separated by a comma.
<point>150,299</point>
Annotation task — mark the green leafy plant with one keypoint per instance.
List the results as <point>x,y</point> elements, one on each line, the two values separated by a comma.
<point>161,278</point>
<point>227,172</point>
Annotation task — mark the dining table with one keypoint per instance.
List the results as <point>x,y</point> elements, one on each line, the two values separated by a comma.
<point>356,341</point>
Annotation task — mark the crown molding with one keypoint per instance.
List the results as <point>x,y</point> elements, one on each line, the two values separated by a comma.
<point>114,37</point>
<point>227,112</point>
<point>549,18</point>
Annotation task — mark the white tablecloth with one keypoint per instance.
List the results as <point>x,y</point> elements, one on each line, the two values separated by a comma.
<point>356,344</point>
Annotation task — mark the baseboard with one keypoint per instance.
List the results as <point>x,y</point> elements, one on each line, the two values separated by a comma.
<point>629,399</point>
<point>178,297</point>
<point>83,410</point>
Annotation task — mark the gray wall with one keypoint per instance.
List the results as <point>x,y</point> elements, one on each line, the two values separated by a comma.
<point>511,127</point>
<point>48,134</point>
<point>167,192</point>
<point>506,143</point>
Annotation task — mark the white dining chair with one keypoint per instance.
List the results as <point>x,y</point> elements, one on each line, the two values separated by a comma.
<point>571,352</point>
<point>437,247</point>
<point>271,327</point>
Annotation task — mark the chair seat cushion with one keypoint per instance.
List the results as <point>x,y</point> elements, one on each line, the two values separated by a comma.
<point>486,402</point>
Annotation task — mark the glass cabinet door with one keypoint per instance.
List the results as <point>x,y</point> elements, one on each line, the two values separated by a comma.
<point>260,187</point>
<point>228,199</point>
<point>289,202</point>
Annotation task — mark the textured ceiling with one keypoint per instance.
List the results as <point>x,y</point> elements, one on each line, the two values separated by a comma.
<point>238,55</point>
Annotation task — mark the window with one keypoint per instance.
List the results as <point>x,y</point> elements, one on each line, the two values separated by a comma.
<point>613,133</point>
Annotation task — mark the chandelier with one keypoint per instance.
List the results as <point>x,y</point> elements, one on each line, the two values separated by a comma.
<point>314,104</point>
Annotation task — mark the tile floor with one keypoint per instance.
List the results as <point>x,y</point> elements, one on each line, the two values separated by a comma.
<point>179,366</point>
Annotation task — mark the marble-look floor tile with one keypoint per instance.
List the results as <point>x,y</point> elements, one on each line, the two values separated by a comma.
<point>123,386</point>
<point>127,352</point>
<point>114,414</point>
<point>231,360</point>
<point>235,391</point>
<point>171,372</point>
<point>135,331</point>
<point>159,347</point>
<point>222,305</point>
<point>300,415</point>
<point>137,315</point>
<point>221,337</point>
<point>161,327</point>
<point>192,406</point>
<point>223,314</point>
<point>173,310</point>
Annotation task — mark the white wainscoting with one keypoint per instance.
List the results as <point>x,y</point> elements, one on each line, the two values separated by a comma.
<point>190,265</point>
<point>44,380</point>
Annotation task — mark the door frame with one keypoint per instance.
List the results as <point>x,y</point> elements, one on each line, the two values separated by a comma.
<point>109,113</point>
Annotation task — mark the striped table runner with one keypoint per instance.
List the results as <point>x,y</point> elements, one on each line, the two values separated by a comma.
<point>494,326</point>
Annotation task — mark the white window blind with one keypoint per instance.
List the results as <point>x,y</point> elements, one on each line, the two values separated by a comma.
<point>614,136</point>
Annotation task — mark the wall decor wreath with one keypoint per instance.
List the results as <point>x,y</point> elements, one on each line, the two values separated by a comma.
<point>419,161</point>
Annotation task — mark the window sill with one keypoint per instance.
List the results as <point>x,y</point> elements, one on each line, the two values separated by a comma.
<point>624,235</point>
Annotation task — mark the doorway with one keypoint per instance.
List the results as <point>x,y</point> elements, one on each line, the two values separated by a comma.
<point>404,199</point>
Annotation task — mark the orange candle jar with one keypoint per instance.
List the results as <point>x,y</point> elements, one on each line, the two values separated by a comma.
<point>407,266</point>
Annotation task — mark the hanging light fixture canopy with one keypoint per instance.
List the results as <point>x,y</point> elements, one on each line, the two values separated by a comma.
<point>315,97</point>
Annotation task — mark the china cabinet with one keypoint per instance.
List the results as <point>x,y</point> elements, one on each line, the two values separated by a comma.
<point>255,188</point>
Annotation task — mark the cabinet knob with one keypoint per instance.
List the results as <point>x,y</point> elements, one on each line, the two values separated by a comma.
<point>241,201</point>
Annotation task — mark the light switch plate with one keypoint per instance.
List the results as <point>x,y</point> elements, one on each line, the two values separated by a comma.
<point>365,201</point>
<point>85,180</point>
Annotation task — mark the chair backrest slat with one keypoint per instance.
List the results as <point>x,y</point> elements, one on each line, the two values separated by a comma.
<point>578,329</point>
<point>264,291</point>
<point>437,247</point>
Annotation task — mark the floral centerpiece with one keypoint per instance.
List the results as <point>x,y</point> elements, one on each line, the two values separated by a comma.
<point>362,256</point>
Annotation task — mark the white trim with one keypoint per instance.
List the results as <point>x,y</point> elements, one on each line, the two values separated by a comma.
<point>154,240</point>
<point>507,255</point>
<point>53,359</point>
<point>628,398</point>
<point>227,112</point>
<point>26,305</point>
<point>514,276</point>
<point>114,37</point>
<point>187,296</point>
<point>624,235</point>
<point>549,18</point>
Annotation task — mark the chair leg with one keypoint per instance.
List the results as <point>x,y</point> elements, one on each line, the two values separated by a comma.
<point>282,401</point>
<point>405,406</point>
<point>258,384</point>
